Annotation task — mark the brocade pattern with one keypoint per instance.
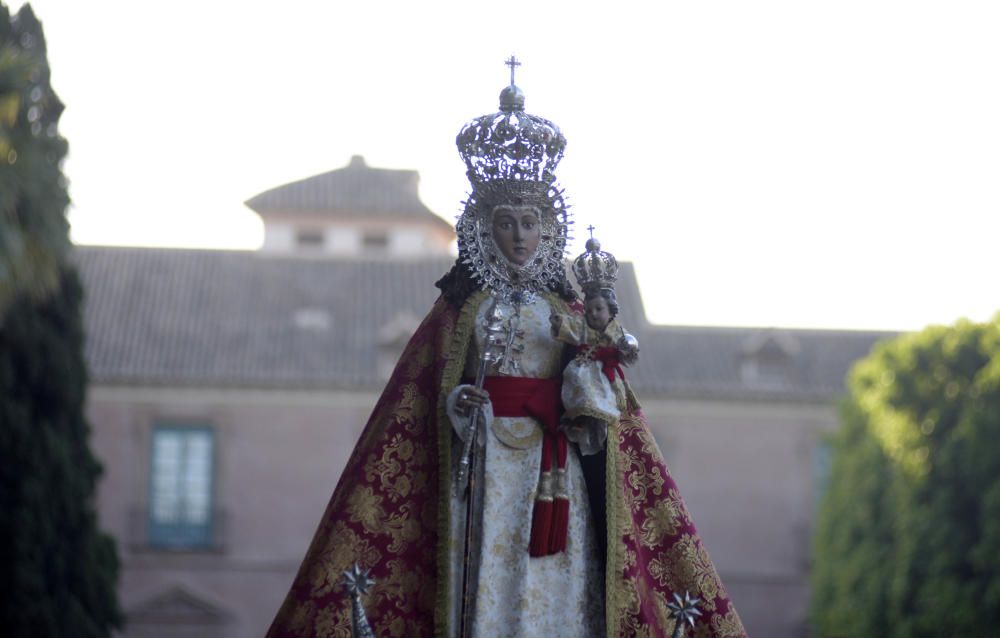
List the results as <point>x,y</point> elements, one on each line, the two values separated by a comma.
<point>393,504</point>
<point>657,551</point>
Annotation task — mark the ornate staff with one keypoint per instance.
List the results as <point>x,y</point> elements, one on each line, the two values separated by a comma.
<point>357,582</point>
<point>466,474</point>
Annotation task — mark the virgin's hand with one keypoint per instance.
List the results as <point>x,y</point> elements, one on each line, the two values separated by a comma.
<point>472,397</point>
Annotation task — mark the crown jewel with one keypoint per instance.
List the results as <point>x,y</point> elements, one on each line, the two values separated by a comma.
<point>595,269</point>
<point>511,144</point>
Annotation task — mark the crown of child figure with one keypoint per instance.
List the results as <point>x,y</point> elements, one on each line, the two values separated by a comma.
<point>511,145</point>
<point>595,269</point>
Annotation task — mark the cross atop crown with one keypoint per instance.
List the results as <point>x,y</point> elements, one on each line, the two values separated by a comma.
<point>513,63</point>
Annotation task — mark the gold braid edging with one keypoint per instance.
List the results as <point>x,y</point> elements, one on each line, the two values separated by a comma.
<point>615,547</point>
<point>451,376</point>
<point>631,401</point>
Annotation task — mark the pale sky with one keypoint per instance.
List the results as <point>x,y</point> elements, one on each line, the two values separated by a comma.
<point>798,163</point>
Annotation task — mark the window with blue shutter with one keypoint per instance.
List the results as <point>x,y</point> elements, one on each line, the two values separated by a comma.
<point>180,499</point>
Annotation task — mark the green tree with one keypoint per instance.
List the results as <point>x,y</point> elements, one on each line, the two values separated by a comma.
<point>908,536</point>
<point>59,571</point>
<point>33,199</point>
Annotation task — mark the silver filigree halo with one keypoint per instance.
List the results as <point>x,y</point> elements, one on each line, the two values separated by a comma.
<point>478,248</point>
<point>511,158</point>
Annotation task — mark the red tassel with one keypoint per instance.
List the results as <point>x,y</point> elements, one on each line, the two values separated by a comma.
<point>550,518</point>
<point>560,525</point>
<point>541,529</point>
<point>560,506</point>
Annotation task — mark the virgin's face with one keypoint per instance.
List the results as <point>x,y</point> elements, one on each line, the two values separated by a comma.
<point>517,232</point>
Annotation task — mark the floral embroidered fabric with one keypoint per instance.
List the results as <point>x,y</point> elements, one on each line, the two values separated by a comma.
<point>392,512</point>
<point>515,594</point>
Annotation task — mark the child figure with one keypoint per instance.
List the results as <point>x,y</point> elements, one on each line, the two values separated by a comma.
<point>593,389</point>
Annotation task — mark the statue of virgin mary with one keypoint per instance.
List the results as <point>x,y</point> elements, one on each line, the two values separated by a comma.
<point>542,541</point>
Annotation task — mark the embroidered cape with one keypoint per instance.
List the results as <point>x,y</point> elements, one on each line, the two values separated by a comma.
<point>390,508</point>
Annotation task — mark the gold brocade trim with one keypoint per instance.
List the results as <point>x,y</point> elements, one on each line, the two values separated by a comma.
<point>615,547</point>
<point>631,401</point>
<point>454,366</point>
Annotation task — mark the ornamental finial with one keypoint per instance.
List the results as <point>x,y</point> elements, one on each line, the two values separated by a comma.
<point>683,610</point>
<point>357,583</point>
<point>512,62</point>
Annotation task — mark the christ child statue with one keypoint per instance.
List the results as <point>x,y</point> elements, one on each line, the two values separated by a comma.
<point>593,388</point>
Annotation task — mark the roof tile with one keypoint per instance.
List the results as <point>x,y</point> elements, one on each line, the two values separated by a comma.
<point>234,318</point>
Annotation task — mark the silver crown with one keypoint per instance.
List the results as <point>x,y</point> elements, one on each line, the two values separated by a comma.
<point>595,269</point>
<point>511,158</point>
<point>511,144</point>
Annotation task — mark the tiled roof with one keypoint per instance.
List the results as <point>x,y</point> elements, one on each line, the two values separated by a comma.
<point>247,319</point>
<point>354,190</point>
<point>236,318</point>
<point>713,362</point>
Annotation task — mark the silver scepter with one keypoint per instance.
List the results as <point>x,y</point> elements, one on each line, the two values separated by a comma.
<point>493,324</point>
<point>466,473</point>
<point>357,583</point>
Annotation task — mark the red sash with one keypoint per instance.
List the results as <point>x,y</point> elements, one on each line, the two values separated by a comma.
<point>540,399</point>
<point>521,396</point>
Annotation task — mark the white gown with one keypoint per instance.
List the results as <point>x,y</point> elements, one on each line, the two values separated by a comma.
<point>517,595</point>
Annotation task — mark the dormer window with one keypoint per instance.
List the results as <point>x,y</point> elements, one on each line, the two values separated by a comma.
<point>375,241</point>
<point>765,370</point>
<point>766,359</point>
<point>309,239</point>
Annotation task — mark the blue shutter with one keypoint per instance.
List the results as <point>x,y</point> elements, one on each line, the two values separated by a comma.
<point>180,486</point>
